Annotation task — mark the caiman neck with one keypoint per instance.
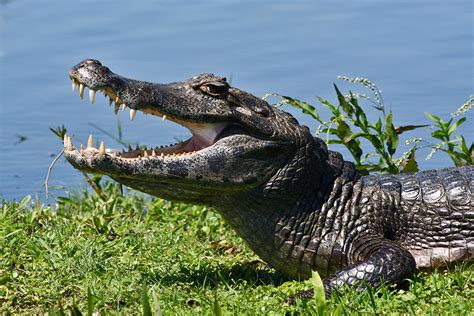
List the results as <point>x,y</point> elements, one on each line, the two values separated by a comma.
<point>301,185</point>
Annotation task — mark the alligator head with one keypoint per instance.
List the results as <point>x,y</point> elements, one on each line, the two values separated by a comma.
<point>238,143</point>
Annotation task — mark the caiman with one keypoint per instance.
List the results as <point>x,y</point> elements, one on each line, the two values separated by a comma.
<point>298,205</point>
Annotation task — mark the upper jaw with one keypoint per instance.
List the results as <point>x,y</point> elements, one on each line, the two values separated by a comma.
<point>171,101</point>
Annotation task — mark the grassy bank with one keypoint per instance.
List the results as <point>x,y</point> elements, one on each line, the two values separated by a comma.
<point>100,255</point>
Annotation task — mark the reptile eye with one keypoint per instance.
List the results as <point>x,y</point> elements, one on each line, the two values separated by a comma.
<point>214,89</point>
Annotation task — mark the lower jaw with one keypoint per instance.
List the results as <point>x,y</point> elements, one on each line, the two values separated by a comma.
<point>188,147</point>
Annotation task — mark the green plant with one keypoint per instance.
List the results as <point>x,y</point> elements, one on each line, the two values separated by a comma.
<point>455,147</point>
<point>59,131</point>
<point>373,144</point>
<point>319,294</point>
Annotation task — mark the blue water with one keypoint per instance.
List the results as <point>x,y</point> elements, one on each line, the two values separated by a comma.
<point>419,53</point>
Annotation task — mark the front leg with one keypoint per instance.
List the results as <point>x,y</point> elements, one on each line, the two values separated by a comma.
<point>384,261</point>
<point>377,261</point>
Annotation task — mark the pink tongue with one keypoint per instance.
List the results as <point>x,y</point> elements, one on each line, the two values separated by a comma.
<point>203,135</point>
<point>195,145</point>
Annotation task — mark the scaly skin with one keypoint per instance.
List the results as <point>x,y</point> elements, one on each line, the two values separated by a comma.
<point>299,206</point>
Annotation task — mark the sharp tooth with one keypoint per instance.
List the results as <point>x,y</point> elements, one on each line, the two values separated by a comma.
<point>145,154</point>
<point>129,147</point>
<point>82,149</point>
<point>116,108</point>
<point>162,155</point>
<point>124,106</point>
<point>153,153</point>
<point>164,117</point>
<point>92,95</point>
<point>74,85</point>
<point>68,143</point>
<point>90,142</point>
<point>81,90</point>
<point>102,149</point>
<point>110,101</point>
<point>117,100</point>
<point>137,148</point>
<point>133,113</point>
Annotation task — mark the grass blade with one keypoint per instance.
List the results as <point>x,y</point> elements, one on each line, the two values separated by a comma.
<point>90,302</point>
<point>146,302</point>
<point>156,303</point>
<point>216,308</point>
<point>319,294</point>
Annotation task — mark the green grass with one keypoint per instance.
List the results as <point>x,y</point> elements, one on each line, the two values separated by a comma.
<point>133,255</point>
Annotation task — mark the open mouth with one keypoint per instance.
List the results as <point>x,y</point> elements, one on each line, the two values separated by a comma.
<point>203,136</point>
<point>226,150</point>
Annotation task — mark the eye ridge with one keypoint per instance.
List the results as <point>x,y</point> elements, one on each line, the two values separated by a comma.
<point>215,89</point>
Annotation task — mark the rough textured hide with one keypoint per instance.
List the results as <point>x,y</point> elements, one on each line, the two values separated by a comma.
<point>299,206</point>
